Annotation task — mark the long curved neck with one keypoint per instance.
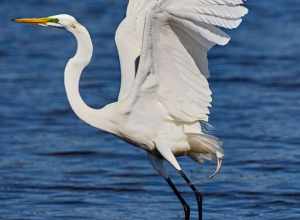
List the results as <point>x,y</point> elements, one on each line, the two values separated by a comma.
<point>99,118</point>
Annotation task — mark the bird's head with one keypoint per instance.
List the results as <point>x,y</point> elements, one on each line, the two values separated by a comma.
<point>61,21</point>
<point>69,23</point>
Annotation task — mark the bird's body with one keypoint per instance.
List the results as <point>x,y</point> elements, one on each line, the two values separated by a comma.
<point>164,96</point>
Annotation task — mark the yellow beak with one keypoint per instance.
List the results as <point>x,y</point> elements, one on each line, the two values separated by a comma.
<point>33,20</point>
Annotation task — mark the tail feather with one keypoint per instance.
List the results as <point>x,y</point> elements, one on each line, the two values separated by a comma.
<point>206,147</point>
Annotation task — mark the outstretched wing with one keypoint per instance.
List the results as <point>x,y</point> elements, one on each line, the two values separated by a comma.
<point>129,36</point>
<point>177,36</point>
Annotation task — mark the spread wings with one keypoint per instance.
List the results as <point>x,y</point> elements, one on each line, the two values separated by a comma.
<point>172,39</point>
<point>129,38</point>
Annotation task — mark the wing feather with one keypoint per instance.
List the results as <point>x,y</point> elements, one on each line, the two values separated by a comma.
<point>129,37</point>
<point>176,39</point>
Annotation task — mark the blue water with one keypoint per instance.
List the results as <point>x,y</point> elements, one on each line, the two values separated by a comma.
<point>54,167</point>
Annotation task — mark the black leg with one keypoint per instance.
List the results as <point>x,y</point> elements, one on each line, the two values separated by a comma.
<point>199,195</point>
<point>183,202</point>
<point>157,162</point>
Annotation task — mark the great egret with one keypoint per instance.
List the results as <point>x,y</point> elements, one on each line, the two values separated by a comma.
<point>164,95</point>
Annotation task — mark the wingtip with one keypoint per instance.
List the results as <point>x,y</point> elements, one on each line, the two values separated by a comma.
<point>245,11</point>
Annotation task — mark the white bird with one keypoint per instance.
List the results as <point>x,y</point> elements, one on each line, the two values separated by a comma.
<point>164,96</point>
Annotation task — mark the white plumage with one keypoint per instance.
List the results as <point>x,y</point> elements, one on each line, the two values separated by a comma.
<point>173,38</point>
<point>164,95</point>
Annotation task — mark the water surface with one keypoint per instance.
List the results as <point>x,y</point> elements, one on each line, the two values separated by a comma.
<point>53,166</point>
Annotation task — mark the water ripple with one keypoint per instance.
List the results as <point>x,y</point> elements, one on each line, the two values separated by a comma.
<point>53,166</point>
